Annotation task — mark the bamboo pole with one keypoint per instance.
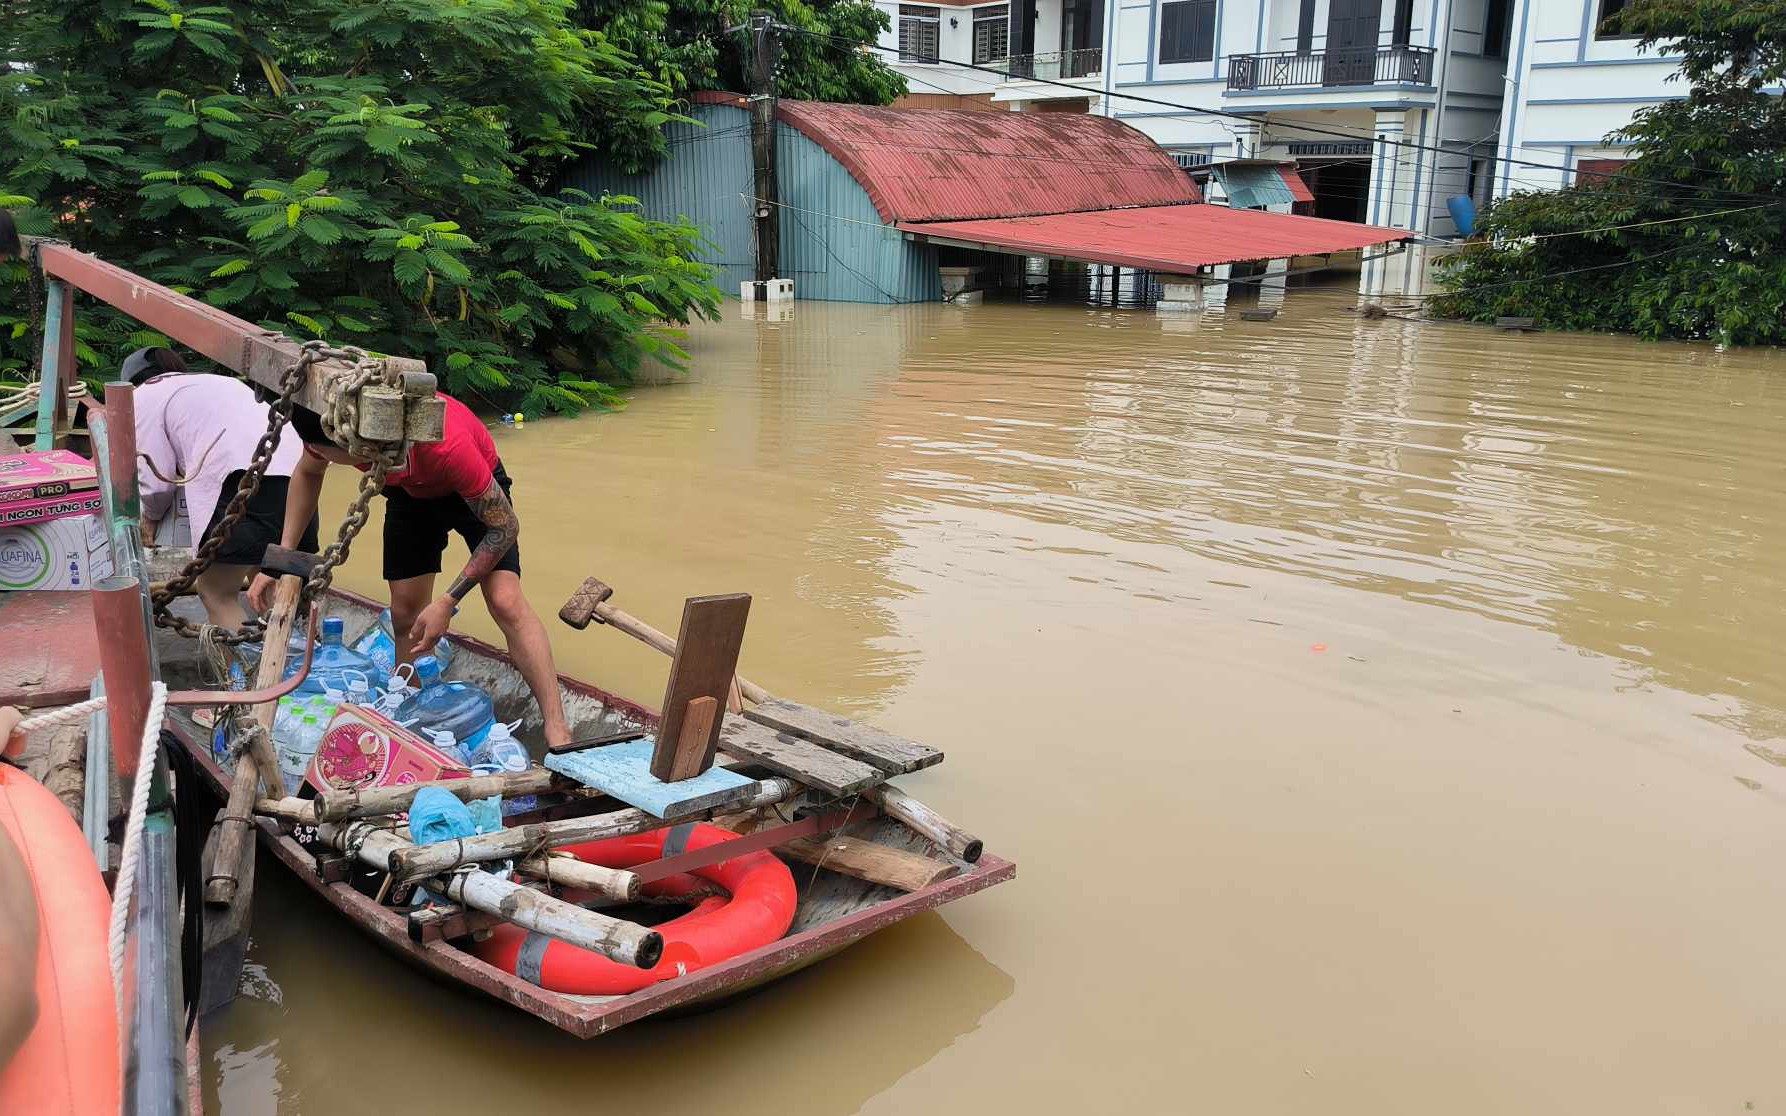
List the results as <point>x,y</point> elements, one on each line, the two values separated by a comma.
<point>290,808</point>
<point>855,857</point>
<point>923,820</point>
<point>625,942</point>
<point>372,802</point>
<point>563,868</point>
<point>235,839</point>
<point>415,862</point>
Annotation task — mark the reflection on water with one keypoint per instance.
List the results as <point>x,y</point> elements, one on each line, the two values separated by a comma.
<point>1386,718</point>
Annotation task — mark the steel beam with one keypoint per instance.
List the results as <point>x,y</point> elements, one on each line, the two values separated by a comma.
<point>411,412</point>
<point>57,361</point>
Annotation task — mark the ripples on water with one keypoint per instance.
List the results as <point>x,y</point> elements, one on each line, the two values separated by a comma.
<point>1384,686</point>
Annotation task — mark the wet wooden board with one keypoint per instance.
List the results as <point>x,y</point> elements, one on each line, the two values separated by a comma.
<point>623,771</point>
<point>51,654</point>
<point>706,659</point>
<point>893,754</point>
<point>800,760</point>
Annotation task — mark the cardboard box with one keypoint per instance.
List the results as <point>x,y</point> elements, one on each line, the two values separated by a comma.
<point>45,476</point>
<point>59,554</point>
<point>59,507</point>
<point>362,748</point>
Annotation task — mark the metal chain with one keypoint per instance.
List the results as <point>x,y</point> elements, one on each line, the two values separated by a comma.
<point>181,584</point>
<point>341,423</point>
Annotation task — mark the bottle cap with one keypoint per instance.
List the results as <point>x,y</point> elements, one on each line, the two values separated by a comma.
<point>427,668</point>
<point>333,625</point>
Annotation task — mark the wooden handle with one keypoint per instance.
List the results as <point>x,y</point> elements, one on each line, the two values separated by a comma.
<point>580,609</point>
<point>235,839</point>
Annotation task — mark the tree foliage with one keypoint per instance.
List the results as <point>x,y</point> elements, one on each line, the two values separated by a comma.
<point>1705,189</point>
<point>378,172</point>
<point>685,45</point>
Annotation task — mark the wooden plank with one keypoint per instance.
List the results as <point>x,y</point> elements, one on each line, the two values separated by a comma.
<point>706,658</point>
<point>893,754</point>
<point>51,654</point>
<point>862,859</point>
<point>800,760</point>
<point>623,771</point>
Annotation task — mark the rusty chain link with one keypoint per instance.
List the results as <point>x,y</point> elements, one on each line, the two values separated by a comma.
<point>341,423</point>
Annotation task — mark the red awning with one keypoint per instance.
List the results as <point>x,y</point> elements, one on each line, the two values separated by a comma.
<point>1294,181</point>
<point>1169,238</point>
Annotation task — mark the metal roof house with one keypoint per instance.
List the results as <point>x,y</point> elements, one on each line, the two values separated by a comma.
<point>871,197</point>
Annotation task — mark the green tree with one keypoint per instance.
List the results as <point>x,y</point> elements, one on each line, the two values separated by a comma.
<point>685,45</point>
<point>1705,190</point>
<point>379,172</point>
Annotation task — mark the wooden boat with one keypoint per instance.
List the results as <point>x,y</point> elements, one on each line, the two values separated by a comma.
<point>833,910</point>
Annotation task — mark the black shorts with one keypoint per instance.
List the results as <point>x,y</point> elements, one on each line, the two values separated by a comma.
<point>261,525</point>
<point>415,531</point>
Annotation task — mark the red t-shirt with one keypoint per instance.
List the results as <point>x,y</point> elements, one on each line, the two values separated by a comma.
<point>462,463</point>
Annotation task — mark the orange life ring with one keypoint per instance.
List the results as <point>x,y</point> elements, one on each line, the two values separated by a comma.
<point>759,911</point>
<point>69,1064</point>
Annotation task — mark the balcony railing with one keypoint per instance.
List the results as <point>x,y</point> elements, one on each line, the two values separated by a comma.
<point>1405,65</point>
<point>1057,65</point>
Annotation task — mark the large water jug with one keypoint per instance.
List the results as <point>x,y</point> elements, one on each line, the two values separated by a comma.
<point>457,707</point>
<point>333,665</point>
<point>380,645</point>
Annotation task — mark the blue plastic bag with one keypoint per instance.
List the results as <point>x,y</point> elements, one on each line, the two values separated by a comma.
<point>436,815</point>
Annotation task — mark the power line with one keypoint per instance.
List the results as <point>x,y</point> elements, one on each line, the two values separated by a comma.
<point>1312,129</point>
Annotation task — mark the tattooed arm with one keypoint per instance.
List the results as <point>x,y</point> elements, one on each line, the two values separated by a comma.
<point>502,527</point>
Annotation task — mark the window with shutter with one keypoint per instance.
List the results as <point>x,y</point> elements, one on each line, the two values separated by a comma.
<point>1187,31</point>
<point>919,32</point>
<point>992,34</point>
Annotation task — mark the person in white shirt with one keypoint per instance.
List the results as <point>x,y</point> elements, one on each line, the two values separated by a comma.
<point>198,432</point>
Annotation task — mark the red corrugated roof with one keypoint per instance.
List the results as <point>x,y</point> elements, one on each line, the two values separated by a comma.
<point>952,165</point>
<point>1293,179</point>
<point>1174,238</point>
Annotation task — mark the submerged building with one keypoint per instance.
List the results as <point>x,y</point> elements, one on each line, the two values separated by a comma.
<point>875,202</point>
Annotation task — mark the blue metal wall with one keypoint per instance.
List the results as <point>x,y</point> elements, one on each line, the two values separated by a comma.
<point>833,243</point>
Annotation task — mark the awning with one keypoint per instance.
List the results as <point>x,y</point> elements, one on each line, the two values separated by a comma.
<point>1293,179</point>
<point>1168,238</point>
<point>1253,185</point>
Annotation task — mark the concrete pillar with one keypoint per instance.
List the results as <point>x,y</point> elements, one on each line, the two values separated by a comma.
<point>1179,294</point>
<point>1273,284</point>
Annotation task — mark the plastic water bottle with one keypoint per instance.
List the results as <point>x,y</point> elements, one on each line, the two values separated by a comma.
<point>459,707</point>
<point>296,752</point>
<point>380,645</point>
<point>359,691</point>
<point>331,658</point>
<point>502,752</point>
<point>445,743</point>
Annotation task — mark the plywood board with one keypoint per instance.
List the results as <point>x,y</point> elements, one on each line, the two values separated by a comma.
<point>50,652</point>
<point>800,760</point>
<point>706,659</point>
<point>624,772</point>
<point>893,754</point>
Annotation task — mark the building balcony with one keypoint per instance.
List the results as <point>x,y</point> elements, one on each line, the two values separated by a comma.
<point>1056,65</point>
<point>1341,67</point>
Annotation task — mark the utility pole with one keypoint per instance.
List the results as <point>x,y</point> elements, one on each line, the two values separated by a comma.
<point>765,52</point>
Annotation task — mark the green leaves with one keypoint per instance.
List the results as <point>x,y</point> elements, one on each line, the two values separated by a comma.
<point>375,171</point>
<point>1688,242</point>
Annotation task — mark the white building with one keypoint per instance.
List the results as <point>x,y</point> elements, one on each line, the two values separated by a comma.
<point>1570,84</point>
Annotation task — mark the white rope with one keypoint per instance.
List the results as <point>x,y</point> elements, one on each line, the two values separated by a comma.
<point>133,835</point>
<point>68,713</point>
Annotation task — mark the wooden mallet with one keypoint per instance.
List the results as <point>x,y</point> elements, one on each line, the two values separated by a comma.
<point>590,603</point>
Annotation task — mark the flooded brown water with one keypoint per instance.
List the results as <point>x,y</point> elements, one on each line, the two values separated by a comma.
<point>1385,718</point>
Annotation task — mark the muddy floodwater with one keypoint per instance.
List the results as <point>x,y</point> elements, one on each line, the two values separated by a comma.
<point>1385,718</point>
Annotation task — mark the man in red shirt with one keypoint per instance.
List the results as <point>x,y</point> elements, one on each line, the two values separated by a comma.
<point>454,485</point>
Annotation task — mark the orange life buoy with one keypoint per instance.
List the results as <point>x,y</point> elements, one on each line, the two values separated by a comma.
<point>759,911</point>
<point>69,1064</point>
